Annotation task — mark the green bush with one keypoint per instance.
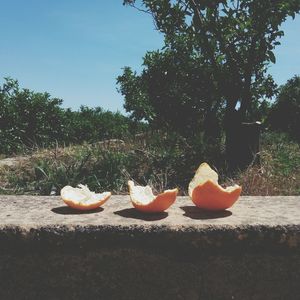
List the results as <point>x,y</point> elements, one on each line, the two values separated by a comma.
<point>27,118</point>
<point>285,113</point>
<point>30,120</point>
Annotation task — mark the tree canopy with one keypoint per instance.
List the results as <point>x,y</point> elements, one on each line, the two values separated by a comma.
<point>285,113</point>
<point>172,92</point>
<point>29,119</point>
<point>230,42</point>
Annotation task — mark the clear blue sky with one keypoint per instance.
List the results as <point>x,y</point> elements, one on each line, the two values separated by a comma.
<point>75,49</point>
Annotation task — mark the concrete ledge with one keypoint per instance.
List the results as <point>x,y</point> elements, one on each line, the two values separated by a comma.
<point>251,251</point>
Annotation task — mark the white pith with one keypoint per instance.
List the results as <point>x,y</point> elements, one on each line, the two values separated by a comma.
<point>82,195</point>
<point>205,173</point>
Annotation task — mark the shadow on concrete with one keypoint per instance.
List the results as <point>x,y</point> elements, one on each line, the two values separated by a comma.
<point>135,214</point>
<point>197,213</point>
<point>66,210</point>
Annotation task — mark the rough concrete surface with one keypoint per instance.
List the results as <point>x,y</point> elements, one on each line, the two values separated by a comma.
<point>250,251</point>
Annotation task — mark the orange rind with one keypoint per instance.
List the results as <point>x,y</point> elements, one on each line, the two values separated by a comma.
<point>207,194</point>
<point>82,198</point>
<point>143,199</point>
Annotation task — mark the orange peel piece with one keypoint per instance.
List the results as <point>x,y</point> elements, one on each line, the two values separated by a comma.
<point>143,199</point>
<point>207,194</point>
<point>82,198</point>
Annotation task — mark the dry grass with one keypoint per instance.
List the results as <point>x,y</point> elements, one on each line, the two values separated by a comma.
<point>108,166</point>
<point>279,172</point>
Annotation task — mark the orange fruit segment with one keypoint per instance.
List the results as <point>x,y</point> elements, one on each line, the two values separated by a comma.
<point>207,194</point>
<point>82,198</point>
<point>143,199</point>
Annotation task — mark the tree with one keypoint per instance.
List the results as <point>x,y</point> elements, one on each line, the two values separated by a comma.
<point>285,113</point>
<point>234,41</point>
<point>28,118</point>
<point>172,92</point>
<point>95,124</point>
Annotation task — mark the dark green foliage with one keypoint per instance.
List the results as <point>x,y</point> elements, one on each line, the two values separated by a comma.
<point>172,92</point>
<point>95,124</point>
<point>231,40</point>
<point>212,69</point>
<point>285,113</point>
<point>29,120</point>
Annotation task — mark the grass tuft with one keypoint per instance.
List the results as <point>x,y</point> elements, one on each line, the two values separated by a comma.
<point>163,165</point>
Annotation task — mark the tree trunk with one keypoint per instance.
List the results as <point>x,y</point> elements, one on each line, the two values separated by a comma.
<point>242,142</point>
<point>211,127</point>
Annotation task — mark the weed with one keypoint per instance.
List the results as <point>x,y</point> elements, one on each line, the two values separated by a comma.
<point>163,163</point>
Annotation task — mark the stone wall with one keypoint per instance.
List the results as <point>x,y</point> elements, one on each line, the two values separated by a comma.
<point>48,251</point>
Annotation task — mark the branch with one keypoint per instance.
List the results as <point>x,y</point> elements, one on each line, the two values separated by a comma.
<point>237,6</point>
<point>206,40</point>
<point>184,4</point>
<point>147,11</point>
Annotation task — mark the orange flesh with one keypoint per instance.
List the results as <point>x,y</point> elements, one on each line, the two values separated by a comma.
<point>159,204</point>
<point>211,196</point>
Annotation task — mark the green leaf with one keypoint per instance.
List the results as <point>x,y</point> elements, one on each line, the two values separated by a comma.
<point>272,57</point>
